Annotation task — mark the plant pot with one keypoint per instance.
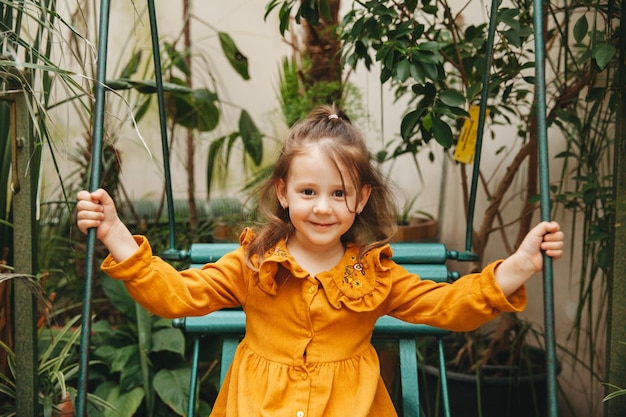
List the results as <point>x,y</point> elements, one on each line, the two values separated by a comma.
<point>65,408</point>
<point>506,395</point>
<point>419,229</point>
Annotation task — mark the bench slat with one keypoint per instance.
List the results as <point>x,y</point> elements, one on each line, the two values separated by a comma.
<point>233,323</point>
<point>403,252</point>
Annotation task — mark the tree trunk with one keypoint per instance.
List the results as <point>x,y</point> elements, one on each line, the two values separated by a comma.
<point>322,48</point>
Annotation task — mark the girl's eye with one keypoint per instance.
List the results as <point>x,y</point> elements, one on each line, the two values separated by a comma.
<point>339,193</point>
<point>307,192</point>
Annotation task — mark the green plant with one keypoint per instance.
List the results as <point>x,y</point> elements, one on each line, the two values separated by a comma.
<point>436,61</point>
<point>36,63</point>
<point>195,112</point>
<point>57,360</point>
<point>617,392</point>
<point>140,360</point>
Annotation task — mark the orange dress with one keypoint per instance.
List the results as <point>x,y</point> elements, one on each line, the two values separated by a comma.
<point>307,350</point>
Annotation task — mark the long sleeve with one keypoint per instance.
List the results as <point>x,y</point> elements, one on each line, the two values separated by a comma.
<point>464,305</point>
<point>166,292</point>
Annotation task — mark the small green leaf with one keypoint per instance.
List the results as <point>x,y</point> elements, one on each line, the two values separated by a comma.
<point>581,27</point>
<point>251,137</point>
<point>284,16</point>
<point>178,60</point>
<point>238,60</point>
<point>427,121</point>
<point>131,66</point>
<point>452,98</point>
<point>213,159</point>
<point>408,123</point>
<point>325,9</point>
<point>403,70</point>
<point>429,46</point>
<point>417,72</point>
<point>432,72</point>
<point>442,133</point>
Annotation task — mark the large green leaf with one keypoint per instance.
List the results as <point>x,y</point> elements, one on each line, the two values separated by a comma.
<point>603,54</point>
<point>123,357</point>
<point>118,296</point>
<point>126,403</point>
<point>171,340</point>
<point>197,110</point>
<point>172,386</point>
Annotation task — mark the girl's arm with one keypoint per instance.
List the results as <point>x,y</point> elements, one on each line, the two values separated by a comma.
<point>475,298</point>
<point>518,268</point>
<point>97,209</point>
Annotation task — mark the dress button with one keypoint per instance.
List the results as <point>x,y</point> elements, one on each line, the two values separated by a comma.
<point>300,414</point>
<point>303,375</point>
<point>312,289</point>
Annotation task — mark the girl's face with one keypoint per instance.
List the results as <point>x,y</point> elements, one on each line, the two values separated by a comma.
<point>321,207</point>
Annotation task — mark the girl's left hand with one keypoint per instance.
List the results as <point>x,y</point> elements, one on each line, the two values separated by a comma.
<point>546,236</point>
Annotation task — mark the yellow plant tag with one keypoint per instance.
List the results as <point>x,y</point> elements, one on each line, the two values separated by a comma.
<point>466,146</point>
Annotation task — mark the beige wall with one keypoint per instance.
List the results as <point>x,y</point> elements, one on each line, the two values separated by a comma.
<point>259,40</point>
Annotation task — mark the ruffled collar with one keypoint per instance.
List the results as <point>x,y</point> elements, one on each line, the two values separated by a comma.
<point>360,286</point>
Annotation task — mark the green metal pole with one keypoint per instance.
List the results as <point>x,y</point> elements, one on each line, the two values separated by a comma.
<point>172,253</point>
<point>468,255</point>
<point>616,331</point>
<point>544,192</point>
<point>94,182</point>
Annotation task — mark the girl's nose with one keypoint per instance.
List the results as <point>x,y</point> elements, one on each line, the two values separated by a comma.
<point>322,206</point>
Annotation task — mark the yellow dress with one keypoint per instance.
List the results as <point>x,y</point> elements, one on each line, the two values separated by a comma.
<point>307,350</point>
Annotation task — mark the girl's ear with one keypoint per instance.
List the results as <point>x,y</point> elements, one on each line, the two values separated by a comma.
<point>364,196</point>
<point>281,192</point>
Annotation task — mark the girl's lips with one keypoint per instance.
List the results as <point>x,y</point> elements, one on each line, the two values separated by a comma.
<point>323,225</point>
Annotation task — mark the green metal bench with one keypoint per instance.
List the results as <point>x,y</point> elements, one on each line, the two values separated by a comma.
<point>428,260</point>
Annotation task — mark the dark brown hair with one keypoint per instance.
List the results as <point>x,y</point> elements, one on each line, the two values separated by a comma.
<point>331,130</point>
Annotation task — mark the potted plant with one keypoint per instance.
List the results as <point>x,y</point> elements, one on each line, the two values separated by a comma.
<point>415,225</point>
<point>430,55</point>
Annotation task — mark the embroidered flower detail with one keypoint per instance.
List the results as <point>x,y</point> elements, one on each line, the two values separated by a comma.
<point>278,251</point>
<point>352,272</point>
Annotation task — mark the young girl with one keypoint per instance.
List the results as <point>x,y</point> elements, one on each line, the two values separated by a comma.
<point>313,280</point>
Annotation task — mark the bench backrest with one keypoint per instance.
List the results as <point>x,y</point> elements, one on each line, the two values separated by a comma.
<point>428,260</point>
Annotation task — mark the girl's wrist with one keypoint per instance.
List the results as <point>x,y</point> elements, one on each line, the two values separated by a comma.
<point>513,272</point>
<point>120,242</point>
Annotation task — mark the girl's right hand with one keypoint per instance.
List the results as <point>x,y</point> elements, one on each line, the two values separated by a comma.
<point>97,210</point>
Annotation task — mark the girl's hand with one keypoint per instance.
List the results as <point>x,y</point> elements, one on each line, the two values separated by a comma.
<point>97,210</point>
<point>546,236</point>
<point>528,259</point>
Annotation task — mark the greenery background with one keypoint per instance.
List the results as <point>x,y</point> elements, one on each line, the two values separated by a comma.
<point>65,135</point>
